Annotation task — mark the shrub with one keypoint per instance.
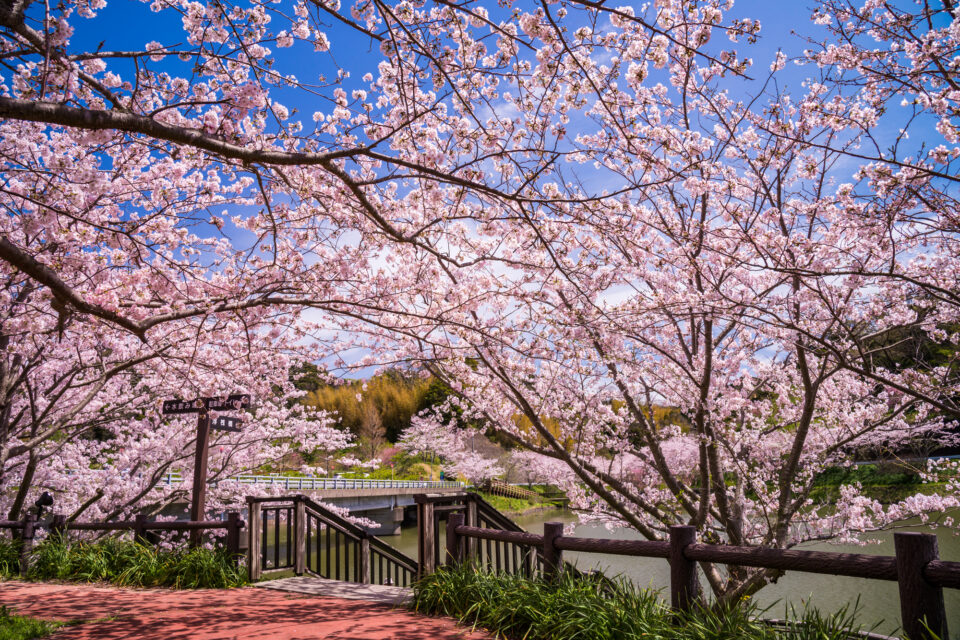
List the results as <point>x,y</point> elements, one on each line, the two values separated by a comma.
<point>131,564</point>
<point>592,607</point>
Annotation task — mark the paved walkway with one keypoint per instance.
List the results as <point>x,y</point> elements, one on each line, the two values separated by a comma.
<point>315,586</point>
<point>236,614</point>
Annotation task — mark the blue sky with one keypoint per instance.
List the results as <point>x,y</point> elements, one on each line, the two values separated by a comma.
<point>130,24</point>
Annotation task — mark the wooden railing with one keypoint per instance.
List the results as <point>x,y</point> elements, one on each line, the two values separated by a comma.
<point>296,534</point>
<point>501,488</point>
<point>301,483</point>
<point>511,555</point>
<point>921,575</point>
<point>25,530</point>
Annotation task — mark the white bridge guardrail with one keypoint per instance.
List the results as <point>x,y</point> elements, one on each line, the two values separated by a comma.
<point>288,482</point>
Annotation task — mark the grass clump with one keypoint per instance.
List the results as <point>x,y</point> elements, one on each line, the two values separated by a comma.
<point>130,564</point>
<point>9,558</point>
<point>14,627</point>
<point>512,505</point>
<point>596,608</point>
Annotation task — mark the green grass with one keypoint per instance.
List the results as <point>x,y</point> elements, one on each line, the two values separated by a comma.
<point>512,505</point>
<point>129,564</point>
<point>886,483</point>
<point>594,608</point>
<point>867,475</point>
<point>9,557</point>
<point>14,627</point>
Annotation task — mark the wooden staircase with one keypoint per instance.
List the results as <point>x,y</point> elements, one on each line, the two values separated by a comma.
<point>295,534</point>
<point>493,556</point>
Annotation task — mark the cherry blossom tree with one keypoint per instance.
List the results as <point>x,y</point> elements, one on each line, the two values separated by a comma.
<point>754,264</point>
<point>82,411</point>
<point>168,216</point>
<point>570,212</point>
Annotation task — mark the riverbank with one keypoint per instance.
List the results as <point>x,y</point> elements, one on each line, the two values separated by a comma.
<point>517,507</point>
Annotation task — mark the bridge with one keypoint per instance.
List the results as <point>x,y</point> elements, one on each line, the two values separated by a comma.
<point>383,501</point>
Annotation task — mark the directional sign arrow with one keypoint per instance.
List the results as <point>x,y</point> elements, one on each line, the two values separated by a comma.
<point>236,401</point>
<point>177,407</point>
<point>226,423</point>
<point>230,403</point>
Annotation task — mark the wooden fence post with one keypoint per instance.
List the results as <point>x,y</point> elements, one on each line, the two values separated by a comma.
<point>234,525</point>
<point>26,542</point>
<point>454,540</point>
<point>139,530</point>
<point>427,538</point>
<point>471,521</point>
<point>58,526</point>
<point>365,561</point>
<point>684,585</point>
<point>254,570</point>
<point>552,557</point>
<point>299,537</point>
<point>920,601</point>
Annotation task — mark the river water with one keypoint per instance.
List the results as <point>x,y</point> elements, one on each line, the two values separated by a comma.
<point>879,603</point>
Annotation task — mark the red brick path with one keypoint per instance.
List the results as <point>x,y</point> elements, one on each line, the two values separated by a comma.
<point>241,614</point>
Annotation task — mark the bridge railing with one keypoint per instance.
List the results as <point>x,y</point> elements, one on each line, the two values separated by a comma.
<point>294,533</point>
<point>499,555</point>
<point>304,483</point>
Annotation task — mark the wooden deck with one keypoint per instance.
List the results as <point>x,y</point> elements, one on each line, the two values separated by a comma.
<point>314,586</point>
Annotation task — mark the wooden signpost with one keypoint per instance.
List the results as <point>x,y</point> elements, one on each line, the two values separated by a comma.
<point>226,423</point>
<point>202,407</point>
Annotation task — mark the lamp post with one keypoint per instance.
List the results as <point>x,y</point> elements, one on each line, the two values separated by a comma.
<point>45,500</point>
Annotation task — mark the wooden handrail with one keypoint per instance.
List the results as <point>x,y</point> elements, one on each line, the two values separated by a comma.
<point>359,533</point>
<point>854,565</point>
<point>171,525</point>
<point>491,513</point>
<point>305,513</point>
<point>643,548</point>
<point>128,525</point>
<point>515,537</point>
<point>944,574</point>
<point>916,567</point>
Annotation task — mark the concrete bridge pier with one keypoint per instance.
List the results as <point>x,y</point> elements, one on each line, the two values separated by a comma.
<point>388,519</point>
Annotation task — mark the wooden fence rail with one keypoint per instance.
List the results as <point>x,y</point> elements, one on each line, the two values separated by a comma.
<point>25,530</point>
<point>921,575</point>
<point>294,533</point>
<point>433,510</point>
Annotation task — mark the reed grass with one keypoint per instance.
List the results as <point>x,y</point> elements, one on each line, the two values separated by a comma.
<point>596,608</point>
